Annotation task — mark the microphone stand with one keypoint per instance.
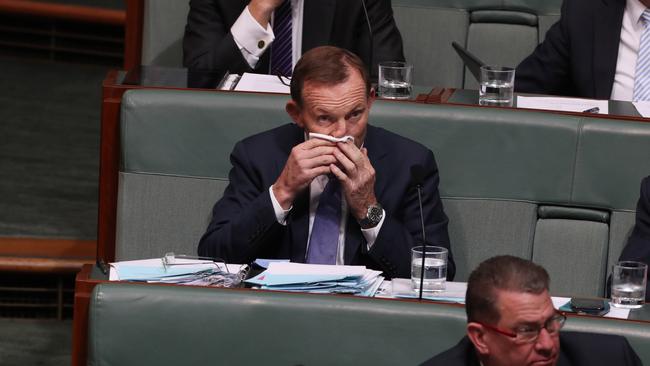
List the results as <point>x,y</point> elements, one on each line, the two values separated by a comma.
<point>424,240</point>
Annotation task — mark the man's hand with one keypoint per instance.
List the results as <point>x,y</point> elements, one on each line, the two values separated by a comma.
<point>357,176</point>
<point>306,161</point>
<point>261,10</point>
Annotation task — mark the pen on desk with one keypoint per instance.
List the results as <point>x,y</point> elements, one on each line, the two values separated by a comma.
<point>592,110</point>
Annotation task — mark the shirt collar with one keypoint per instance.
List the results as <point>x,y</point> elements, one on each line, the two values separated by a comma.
<point>636,9</point>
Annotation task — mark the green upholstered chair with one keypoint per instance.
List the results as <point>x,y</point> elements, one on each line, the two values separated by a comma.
<point>557,189</point>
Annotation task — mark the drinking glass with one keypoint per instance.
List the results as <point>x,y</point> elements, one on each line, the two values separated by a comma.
<point>497,86</point>
<point>395,80</point>
<point>435,267</point>
<point>629,284</point>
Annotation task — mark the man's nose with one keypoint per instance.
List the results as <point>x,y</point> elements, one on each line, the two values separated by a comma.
<point>340,128</point>
<point>545,342</point>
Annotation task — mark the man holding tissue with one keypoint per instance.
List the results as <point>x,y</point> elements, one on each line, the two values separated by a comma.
<point>328,188</point>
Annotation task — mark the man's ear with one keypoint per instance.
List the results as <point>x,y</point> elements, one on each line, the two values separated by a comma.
<point>371,97</point>
<point>294,111</point>
<point>476,333</point>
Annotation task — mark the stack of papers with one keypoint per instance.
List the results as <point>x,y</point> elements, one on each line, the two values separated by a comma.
<point>316,278</point>
<point>564,104</point>
<point>182,271</point>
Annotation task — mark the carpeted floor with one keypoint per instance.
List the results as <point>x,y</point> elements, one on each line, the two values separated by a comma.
<point>49,148</point>
<point>35,342</point>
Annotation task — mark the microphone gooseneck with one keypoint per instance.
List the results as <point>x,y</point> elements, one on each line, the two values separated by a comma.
<point>417,177</point>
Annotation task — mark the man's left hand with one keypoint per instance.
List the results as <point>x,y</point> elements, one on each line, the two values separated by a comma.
<point>357,177</point>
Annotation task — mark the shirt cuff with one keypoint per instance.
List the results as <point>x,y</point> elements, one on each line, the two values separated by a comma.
<point>280,213</point>
<point>371,233</point>
<point>251,38</point>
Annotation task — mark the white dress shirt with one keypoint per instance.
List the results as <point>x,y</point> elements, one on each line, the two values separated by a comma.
<point>631,30</point>
<point>249,35</point>
<point>315,189</point>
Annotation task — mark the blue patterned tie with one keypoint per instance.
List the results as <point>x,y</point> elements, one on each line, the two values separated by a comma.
<point>281,48</point>
<point>323,243</point>
<point>642,76</point>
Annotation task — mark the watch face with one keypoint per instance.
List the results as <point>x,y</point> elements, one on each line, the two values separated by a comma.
<point>374,214</point>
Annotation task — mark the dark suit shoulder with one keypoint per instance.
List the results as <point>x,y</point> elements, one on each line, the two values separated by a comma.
<point>462,354</point>
<point>581,348</point>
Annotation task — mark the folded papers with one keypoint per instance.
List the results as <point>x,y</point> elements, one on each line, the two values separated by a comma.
<point>318,278</point>
<point>183,271</point>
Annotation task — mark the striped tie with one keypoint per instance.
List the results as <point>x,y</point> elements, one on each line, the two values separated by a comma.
<point>642,76</point>
<point>281,53</point>
<point>323,242</point>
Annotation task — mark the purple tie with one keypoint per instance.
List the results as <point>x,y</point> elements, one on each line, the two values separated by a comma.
<point>324,239</point>
<point>281,48</point>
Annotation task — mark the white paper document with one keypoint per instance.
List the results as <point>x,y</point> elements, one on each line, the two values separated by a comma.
<point>153,270</point>
<point>643,108</point>
<point>262,83</point>
<point>319,278</point>
<point>564,104</point>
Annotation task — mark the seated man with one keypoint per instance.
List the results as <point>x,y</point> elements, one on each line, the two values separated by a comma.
<point>268,36</point>
<point>595,50</point>
<point>638,245</point>
<point>511,321</point>
<point>317,201</point>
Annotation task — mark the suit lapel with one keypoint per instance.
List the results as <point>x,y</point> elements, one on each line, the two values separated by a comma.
<point>353,236</point>
<point>607,34</point>
<point>299,227</point>
<point>317,23</point>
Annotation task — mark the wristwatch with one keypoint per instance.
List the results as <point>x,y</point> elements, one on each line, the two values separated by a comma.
<point>373,216</point>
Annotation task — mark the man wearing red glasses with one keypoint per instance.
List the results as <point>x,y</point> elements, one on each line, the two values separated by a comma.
<point>511,321</point>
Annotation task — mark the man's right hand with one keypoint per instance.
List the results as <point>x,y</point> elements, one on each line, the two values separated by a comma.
<point>306,161</point>
<point>261,10</point>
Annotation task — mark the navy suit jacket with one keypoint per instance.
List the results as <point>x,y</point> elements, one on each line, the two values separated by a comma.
<point>244,226</point>
<point>578,56</point>
<point>209,45</point>
<point>638,244</point>
<point>576,349</point>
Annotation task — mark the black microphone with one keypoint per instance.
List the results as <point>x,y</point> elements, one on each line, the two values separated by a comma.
<point>370,37</point>
<point>417,177</point>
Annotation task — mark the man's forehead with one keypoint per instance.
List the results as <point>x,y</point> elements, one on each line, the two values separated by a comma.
<point>318,95</point>
<point>515,304</point>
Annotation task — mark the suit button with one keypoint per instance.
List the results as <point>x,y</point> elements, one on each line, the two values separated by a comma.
<point>260,44</point>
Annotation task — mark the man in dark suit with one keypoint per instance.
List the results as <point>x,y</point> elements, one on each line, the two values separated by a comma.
<point>272,206</point>
<point>511,321</point>
<point>638,245</point>
<point>237,36</point>
<point>590,52</point>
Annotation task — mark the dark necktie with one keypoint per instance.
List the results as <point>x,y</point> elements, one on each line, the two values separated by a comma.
<point>323,243</point>
<point>281,48</point>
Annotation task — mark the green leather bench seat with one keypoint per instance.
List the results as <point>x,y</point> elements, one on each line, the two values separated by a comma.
<point>133,324</point>
<point>499,31</point>
<point>560,190</point>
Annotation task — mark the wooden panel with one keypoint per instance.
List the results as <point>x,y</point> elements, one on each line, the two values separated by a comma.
<point>45,255</point>
<point>133,33</point>
<point>73,12</point>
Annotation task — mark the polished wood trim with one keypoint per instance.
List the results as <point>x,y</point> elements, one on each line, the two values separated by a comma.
<point>45,255</point>
<point>42,247</point>
<point>89,14</point>
<point>133,33</point>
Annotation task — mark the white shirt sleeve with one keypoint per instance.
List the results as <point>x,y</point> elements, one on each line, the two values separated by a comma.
<point>280,213</point>
<point>251,38</point>
<point>372,233</point>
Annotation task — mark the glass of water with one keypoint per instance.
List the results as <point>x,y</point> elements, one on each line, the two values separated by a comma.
<point>497,86</point>
<point>435,267</point>
<point>395,80</point>
<point>629,284</point>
